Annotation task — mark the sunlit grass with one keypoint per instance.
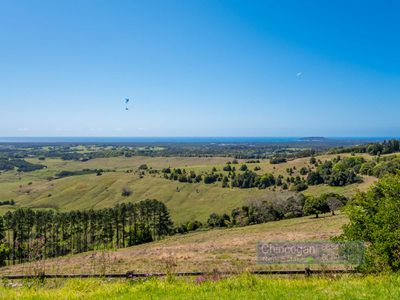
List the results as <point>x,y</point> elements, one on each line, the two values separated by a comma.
<point>186,201</point>
<point>239,287</point>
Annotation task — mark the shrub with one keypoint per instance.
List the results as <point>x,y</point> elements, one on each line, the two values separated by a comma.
<point>374,218</point>
<point>126,192</point>
<point>299,187</point>
<point>277,160</point>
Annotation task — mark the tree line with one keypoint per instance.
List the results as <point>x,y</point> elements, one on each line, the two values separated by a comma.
<point>9,164</point>
<point>62,233</point>
<point>385,147</point>
<point>259,211</point>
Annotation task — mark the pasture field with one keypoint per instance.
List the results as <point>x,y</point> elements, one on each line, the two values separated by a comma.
<point>232,249</point>
<point>186,201</point>
<point>244,286</point>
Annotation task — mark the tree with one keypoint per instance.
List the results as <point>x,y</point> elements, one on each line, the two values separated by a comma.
<point>126,192</point>
<point>210,178</point>
<point>243,167</point>
<point>315,206</point>
<point>299,187</point>
<point>266,180</point>
<point>314,178</point>
<point>216,220</point>
<point>374,218</point>
<point>333,204</point>
<point>303,171</point>
<point>294,206</point>
<point>78,231</point>
<point>4,249</point>
<point>143,167</point>
<point>227,168</point>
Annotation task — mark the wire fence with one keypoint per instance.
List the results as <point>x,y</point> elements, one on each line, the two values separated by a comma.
<point>306,272</point>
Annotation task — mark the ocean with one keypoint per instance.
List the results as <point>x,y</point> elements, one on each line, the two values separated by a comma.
<point>182,139</point>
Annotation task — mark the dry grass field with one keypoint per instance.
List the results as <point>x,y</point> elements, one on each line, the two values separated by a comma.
<point>232,249</point>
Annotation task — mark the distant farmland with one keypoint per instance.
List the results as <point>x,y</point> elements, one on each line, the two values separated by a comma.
<point>186,201</point>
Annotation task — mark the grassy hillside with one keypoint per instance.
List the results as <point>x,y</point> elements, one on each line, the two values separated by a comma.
<point>231,249</point>
<point>186,201</point>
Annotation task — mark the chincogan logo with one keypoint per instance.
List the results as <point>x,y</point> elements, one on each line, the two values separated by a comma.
<point>293,250</point>
<point>310,252</point>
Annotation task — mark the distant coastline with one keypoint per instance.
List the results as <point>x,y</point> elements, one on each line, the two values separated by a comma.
<point>185,139</point>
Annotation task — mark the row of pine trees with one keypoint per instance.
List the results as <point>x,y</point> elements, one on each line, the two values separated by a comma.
<point>61,233</point>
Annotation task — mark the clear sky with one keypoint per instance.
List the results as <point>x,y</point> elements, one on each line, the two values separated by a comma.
<point>199,68</point>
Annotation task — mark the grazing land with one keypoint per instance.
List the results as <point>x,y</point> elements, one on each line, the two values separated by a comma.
<point>187,201</point>
<point>232,249</point>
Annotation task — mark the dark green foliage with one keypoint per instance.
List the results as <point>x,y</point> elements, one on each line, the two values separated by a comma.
<point>337,172</point>
<point>349,163</point>
<point>216,220</point>
<point>143,167</point>
<point>20,164</point>
<point>249,179</point>
<point>187,227</point>
<point>210,178</point>
<point>342,178</point>
<point>277,160</point>
<point>385,147</point>
<point>293,206</point>
<point>265,181</point>
<point>243,168</point>
<point>78,231</point>
<point>166,170</point>
<point>314,178</point>
<point>367,168</point>
<point>225,182</point>
<point>315,206</point>
<point>126,192</point>
<point>390,165</point>
<point>252,161</point>
<point>374,218</point>
<point>299,187</point>
<point>227,168</point>
<point>76,173</point>
<point>264,211</point>
<point>303,171</point>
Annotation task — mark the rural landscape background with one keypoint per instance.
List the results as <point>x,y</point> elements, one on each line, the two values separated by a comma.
<point>155,149</point>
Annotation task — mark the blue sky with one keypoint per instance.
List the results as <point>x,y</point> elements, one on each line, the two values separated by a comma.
<point>199,68</point>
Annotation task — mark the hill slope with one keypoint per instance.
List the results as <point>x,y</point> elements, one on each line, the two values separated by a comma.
<point>186,201</point>
<point>231,249</point>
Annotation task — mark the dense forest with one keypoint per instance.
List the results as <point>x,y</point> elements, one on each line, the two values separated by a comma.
<point>28,234</point>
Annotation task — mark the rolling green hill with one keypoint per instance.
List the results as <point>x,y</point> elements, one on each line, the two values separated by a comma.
<point>186,201</point>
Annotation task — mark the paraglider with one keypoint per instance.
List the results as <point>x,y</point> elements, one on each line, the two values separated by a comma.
<point>126,103</point>
<point>299,75</point>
